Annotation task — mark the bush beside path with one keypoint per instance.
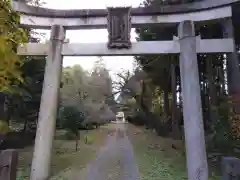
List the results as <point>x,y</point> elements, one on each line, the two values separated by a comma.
<point>158,158</point>
<point>117,152</point>
<point>65,158</point>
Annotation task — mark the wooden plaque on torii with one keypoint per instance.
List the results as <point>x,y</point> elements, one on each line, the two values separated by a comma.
<point>119,27</point>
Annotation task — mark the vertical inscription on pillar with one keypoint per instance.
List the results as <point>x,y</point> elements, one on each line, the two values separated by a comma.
<point>119,27</point>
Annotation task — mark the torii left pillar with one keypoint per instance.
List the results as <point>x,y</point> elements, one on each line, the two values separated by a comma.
<point>41,162</point>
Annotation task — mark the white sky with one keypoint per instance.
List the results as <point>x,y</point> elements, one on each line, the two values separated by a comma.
<point>114,64</point>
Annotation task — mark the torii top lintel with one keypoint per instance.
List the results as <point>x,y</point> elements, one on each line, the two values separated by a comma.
<point>141,11</point>
<point>200,11</point>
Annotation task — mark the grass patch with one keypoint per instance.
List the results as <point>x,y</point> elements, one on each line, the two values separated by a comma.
<point>156,157</point>
<point>64,157</point>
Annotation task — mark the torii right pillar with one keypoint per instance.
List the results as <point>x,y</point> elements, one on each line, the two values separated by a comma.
<point>197,166</point>
<point>233,72</point>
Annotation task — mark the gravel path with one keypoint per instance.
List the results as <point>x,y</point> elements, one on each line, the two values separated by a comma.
<point>116,160</point>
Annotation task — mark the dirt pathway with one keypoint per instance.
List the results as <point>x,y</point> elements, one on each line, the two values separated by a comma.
<point>133,153</point>
<point>115,161</point>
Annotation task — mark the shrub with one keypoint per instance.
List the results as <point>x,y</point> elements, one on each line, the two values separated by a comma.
<point>224,138</point>
<point>4,128</point>
<point>71,119</point>
<point>89,125</point>
<point>138,119</point>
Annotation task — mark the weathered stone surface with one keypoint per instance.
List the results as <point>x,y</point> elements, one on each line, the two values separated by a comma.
<point>119,27</point>
<point>165,9</point>
<point>48,107</point>
<point>192,109</point>
<point>8,164</point>
<point>231,168</point>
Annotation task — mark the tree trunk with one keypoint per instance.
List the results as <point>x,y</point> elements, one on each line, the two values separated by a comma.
<point>2,100</point>
<point>222,92</point>
<point>201,70</point>
<point>77,138</point>
<point>212,91</point>
<point>175,120</point>
<point>4,110</point>
<point>25,124</point>
<point>166,101</point>
<point>77,143</point>
<point>9,109</point>
<point>211,82</point>
<point>143,106</point>
<point>141,96</point>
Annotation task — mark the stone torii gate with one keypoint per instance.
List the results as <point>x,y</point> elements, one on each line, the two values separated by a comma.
<point>119,21</point>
